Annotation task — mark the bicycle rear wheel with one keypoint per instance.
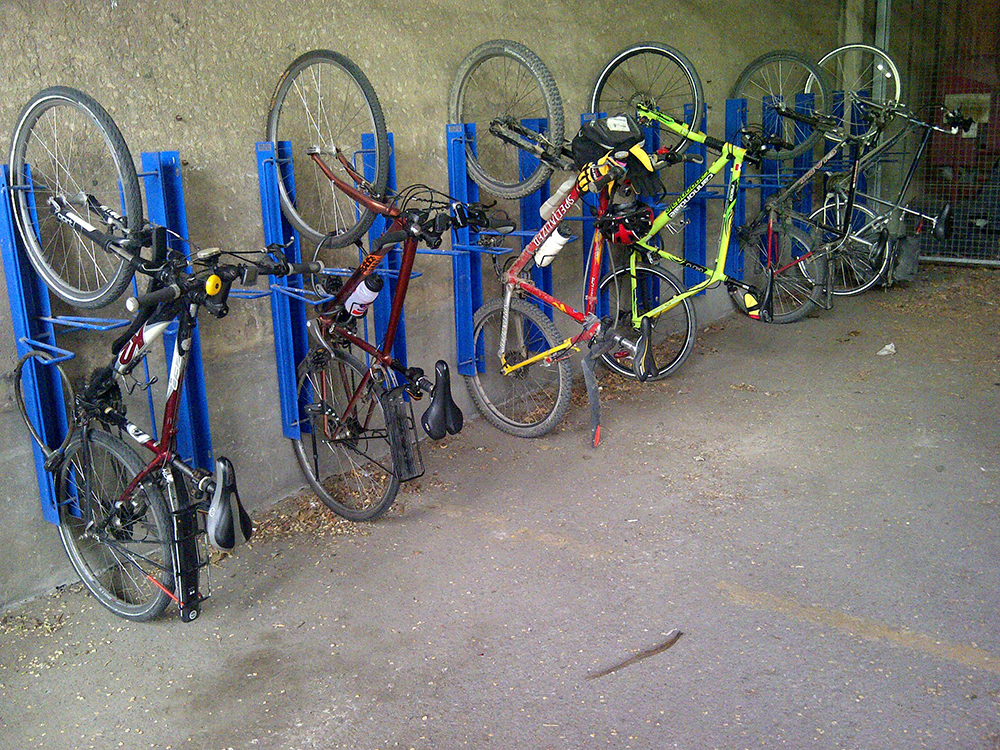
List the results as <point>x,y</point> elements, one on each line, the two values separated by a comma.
<point>864,258</point>
<point>532,400</point>
<point>798,272</point>
<point>66,149</point>
<point>656,76</point>
<point>119,545</point>
<point>505,80</point>
<point>347,455</point>
<point>674,331</point>
<point>858,74</point>
<point>782,78</point>
<point>325,104</point>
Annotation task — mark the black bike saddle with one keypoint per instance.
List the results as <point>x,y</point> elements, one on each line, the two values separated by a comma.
<point>443,415</point>
<point>225,509</point>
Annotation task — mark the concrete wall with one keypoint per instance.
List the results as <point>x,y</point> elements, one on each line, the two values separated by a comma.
<point>197,77</point>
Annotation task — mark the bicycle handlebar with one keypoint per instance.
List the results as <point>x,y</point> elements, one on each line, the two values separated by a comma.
<point>196,283</point>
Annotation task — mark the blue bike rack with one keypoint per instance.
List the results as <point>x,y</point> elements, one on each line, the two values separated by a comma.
<point>466,250</point>
<point>165,206</point>
<point>289,300</point>
<point>35,329</point>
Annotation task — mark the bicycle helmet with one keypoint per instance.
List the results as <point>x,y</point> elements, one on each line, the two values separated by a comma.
<point>625,223</point>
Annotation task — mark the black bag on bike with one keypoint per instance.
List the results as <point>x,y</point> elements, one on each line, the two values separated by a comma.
<point>597,138</point>
<point>905,259</point>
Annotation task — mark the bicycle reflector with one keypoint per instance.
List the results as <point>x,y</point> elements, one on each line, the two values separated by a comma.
<point>625,223</point>
<point>213,284</point>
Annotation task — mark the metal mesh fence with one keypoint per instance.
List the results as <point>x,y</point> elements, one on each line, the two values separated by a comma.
<point>947,57</point>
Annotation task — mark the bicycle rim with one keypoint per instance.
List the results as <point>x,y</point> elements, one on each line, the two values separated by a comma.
<point>67,148</point>
<point>856,74</point>
<point>505,80</point>
<point>324,102</point>
<point>798,272</point>
<point>348,457</point>
<point>656,76</point>
<point>782,78</point>
<point>119,545</point>
<point>674,331</point>
<point>532,400</point>
<point>862,261</point>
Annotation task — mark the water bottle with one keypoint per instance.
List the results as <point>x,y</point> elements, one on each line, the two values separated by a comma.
<point>551,247</point>
<point>557,197</point>
<point>363,295</point>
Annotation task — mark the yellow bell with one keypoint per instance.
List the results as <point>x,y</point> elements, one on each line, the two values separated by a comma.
<point>213,285</point>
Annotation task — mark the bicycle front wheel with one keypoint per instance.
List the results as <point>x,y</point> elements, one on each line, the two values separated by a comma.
<point>326,108</point>
<point>798,272</point>
<point>859,74</point>
<point>656,76</point>
<point>504,80</point>
<point>119,544</point>
<point>68,154</point>
<point>863,259</point>
<point>531,400</point>
<point>674,331</point>
<point>783,79</point>
<point>347,454</point>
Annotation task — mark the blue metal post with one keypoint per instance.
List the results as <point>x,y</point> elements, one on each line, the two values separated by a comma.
<point>531,220</point>
<point>165,206</point>
<point>30,313</point>
<point>736,120</point>
<point>383,303</point>
<point>288,315</point>
<point>466,266</point>
<point>696,212</point>
<point>805,103</point>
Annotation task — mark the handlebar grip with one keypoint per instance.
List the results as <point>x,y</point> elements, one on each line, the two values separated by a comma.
<point>714,143</point>
<point>306,267</point>
<point>150,299</point>
<point>501,224</point>
<point>614,173</point>
<point>389,238</point>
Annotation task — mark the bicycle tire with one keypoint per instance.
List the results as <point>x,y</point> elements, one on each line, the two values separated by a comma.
<point>796,292</point>
<point>863,260</point>
<point>354,471</point>
<point>505,79</point>
<point>674,332</point>
<point>859,73</point>
<point>532,400</point>
<point>63,140</point>
<point>783,75</point>
<point>300,113</point>
<point>124,559</point>
<point>657,76</point>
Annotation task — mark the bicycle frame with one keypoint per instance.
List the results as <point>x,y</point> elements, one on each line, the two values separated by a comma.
<point>737,155</point>
<point>184,552</point>
<point>367,267</point>
<point>514,280</point>
<point>873,155</point>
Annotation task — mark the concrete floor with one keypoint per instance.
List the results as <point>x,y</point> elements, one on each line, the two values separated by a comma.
<point>819,521</point>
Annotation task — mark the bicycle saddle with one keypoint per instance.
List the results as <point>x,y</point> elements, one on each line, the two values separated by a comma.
<point>443,415</point>
<point>225,509</point>
<point>942,225</point>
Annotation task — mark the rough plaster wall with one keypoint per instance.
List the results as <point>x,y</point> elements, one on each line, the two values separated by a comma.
<point>197,77</point>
